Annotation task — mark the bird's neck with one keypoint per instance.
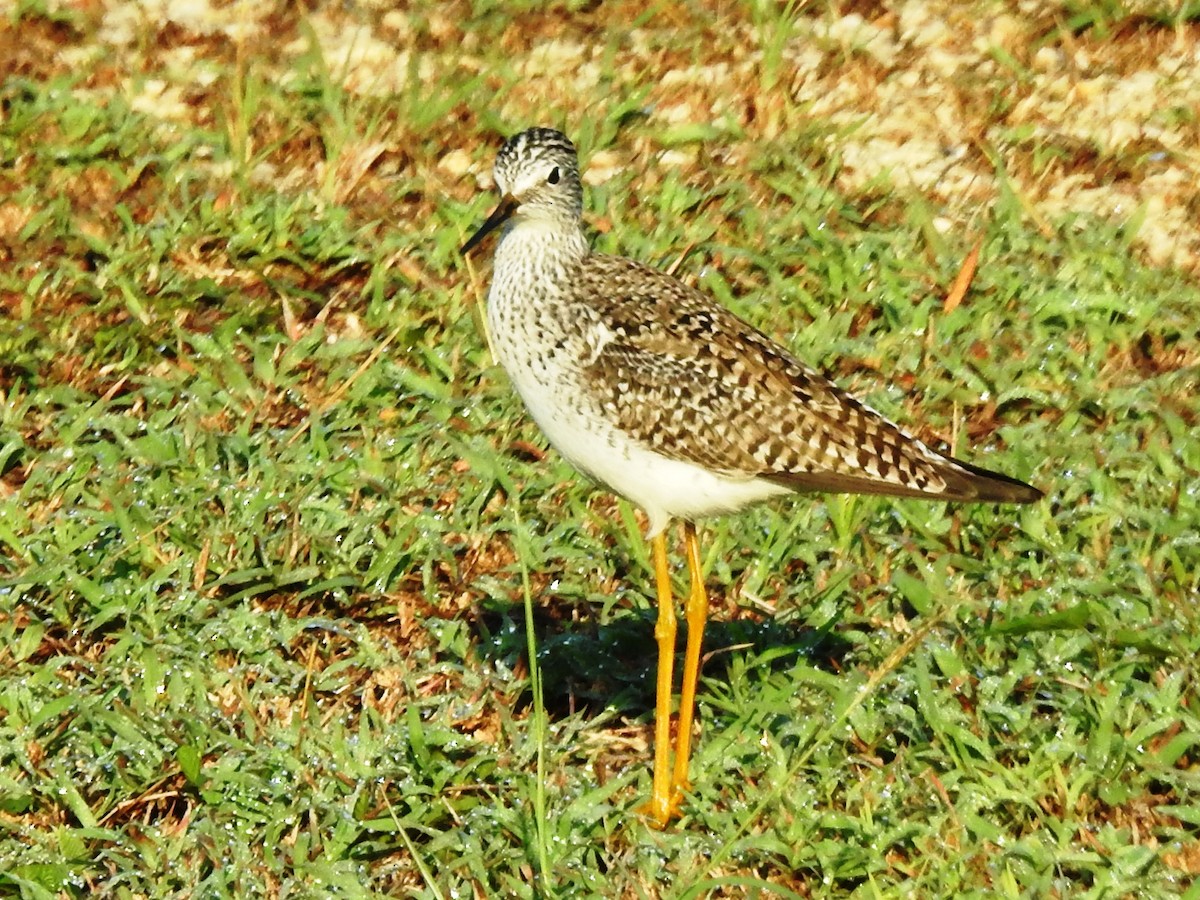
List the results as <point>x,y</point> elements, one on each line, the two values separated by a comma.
<point>534,245</point>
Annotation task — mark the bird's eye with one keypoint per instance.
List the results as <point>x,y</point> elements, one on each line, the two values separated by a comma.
<point>553,176</point>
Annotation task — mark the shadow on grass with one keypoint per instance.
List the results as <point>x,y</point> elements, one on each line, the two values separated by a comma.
<point>589,666</point>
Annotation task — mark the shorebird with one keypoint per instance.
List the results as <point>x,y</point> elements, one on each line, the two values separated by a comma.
<point>654,390</point>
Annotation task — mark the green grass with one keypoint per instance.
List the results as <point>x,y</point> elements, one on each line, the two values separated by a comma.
<point>272,531</point>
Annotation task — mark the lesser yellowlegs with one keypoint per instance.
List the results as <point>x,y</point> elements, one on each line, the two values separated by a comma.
<point>652,389</point>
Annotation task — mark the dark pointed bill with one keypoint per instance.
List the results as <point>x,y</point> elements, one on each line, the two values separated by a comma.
<point>500,215</point>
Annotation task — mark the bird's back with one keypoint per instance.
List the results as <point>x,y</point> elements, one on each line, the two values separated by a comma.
<point>689,380</point>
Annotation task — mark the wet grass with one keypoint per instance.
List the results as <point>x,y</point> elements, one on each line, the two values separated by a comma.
<point>273,526</point>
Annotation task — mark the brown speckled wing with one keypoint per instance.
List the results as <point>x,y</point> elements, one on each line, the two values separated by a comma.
<point>688,379</point>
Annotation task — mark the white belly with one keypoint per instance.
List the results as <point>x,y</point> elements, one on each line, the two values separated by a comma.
<point>665,488</point>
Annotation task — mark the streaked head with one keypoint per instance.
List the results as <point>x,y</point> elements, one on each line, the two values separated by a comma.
<point>537,174</point>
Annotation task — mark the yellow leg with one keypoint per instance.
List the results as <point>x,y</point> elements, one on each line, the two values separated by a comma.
<point>697,614</point>
<point>662,804</point>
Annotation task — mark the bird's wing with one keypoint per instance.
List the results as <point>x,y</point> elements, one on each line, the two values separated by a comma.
<point>690,380</point>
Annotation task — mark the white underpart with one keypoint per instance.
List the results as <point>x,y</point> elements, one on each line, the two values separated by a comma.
<point>665,488</point>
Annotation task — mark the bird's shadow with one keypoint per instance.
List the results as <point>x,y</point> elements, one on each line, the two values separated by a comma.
<point>588,666</point>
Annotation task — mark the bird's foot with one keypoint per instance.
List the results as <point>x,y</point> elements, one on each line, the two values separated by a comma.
<point>660,810</point>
